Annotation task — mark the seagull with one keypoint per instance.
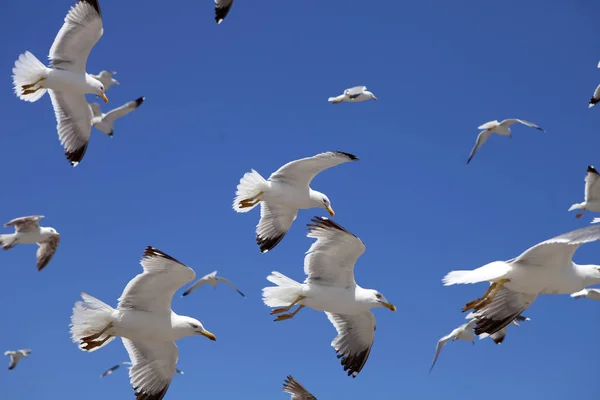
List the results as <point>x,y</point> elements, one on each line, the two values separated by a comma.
<point>298,392</point>
<point>464,332</point>
<point>115,367</point>
<point>144,321</point>
<point>67,81</point>
<point>592,193</point>
<point>106,77</point>
<point>285,192</point>
<point>546,268</point>
<point>15,356</point>
<point>353,95</point>
<point>330,287</point>
<point>222,8</point>
<point>501,128</point>
<point>593,294</point>
<point>595,98</point>
<point>212,279</point>
<point>499,336</point>
<point>28,231</point>
<point>105,122</point>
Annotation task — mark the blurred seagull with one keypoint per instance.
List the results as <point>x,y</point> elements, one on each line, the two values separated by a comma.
<point>287,190</point>
<point>595,98</point>
<point>546,268</point>
<point>501,128</point>
<point>15,356</point>
<point>211,279</point>
<point>28,231</point>
<point>106,77</point>
<point>298,392</point>
<point>592,194</point>
<point>464,332</point>
<point>105,122</point>
<point>113,368</point>
<point>222,8</point>
<point>353,95</point>
<point>593,294</point>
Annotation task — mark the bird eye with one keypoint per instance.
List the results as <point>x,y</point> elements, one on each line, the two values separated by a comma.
<point>195,326</point>
<point>378,295</point>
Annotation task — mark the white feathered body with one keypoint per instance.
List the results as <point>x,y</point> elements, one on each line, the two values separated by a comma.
<point>27,237</point>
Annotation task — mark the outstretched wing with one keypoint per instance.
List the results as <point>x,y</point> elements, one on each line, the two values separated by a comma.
<point>125,109</point>
<point>504,308</point>
<point>25,224</point>
<point>227,282</point>
<point>46,251</point>
<point>222,8</point>
<point>298,392</point>
<point>481,139</point>
<point>438,349</point>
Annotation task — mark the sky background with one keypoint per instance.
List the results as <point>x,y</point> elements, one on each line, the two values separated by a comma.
<point>252,93</point>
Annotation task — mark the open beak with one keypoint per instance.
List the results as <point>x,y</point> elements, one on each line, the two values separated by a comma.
<point>104,98</point>
<point>330,210</point>
<point>389,306</point>
<point>209,335</point>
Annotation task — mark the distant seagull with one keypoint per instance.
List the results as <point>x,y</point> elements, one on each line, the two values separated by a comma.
<point>464,332</point>
<point>595,98</point>
<point>112,369</point>
<point>211,279</point>
<point>501,128</point>
<point>67,81</point>
<point>499,336</point>
<point>593,294</point>
<point>106,77</point>
<point>222,8</point>
<point>15,356</point>
<point>105,122</point>
<point>353,95</point>
<point>298,392</point>
<point>285,192</point>
<point>592,194</point>
<point>28,231</point>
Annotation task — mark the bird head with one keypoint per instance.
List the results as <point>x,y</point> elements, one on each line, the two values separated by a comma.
<point>195,327</point>
<point>379,300</point>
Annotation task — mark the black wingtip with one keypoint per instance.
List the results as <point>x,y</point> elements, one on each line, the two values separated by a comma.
<point>592,170</point>
<point>593,101</point>
<point>324,223</point>
<point>76,155</point>
<point>350,156</point>
<point>267,244</point>
<point>151,252</point>
<point>139,101</point>
<point>221,13</point>
<point>95,4</point>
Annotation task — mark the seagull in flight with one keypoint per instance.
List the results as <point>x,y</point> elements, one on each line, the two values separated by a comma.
<point>211,279</point>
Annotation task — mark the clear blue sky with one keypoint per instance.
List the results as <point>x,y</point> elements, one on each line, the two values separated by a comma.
<point>252,93</point>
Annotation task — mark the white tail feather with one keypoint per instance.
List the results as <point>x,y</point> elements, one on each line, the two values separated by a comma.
<point>286,291</point>
<point>28,70</point>
<point>487,273</point>
<point>576,206</point>
<point>7,240</point>
<point>251,184</point>
<point>336,100</point>
<point>90,317</point>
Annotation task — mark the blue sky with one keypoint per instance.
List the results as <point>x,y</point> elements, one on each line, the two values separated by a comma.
<point>252,93</point>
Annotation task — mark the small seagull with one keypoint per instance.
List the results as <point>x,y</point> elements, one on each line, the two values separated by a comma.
<point>298,392</point>
<point>464,332</point>
<point>112,369</point>
<point>501,128</point>
<point>15,356</point>
<point>212,279</point>
<point>105,122</point>
<point>222,8</point>
<point>28,231</point>
<point>593,294</point>
<point>592,194</point>
<point>499,336</point>
<point>353,95</point>
<point>106,77</point>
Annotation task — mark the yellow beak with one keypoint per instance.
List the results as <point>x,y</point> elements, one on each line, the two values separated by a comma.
<point>208,335</point>
<point>330,210</point>
<point>389,306</point>
<point>104,98</point>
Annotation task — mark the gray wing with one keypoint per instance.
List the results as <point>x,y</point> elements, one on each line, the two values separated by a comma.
<point>80,32</point>
<point>298,392</point>
<point>355,91</point>
<point>46,251</point>
<point>13,362</point>
<point>506,306</point>
<point>596,97</point>
<point>275,221</point>
<point>74,123</point>
<point>481,139</point>
<point>499,336</point>
<point>592,188</point>
<point>125,109</point>
<point>438,349</point>
<point>353,343</point>
<point>222,8</point>
<point>227,282</point>
<point>529,124</point>
<point>25,224</point>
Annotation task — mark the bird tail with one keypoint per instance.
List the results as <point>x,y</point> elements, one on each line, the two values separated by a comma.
<point>335,100</point>
<point>286,291</point>
<point>27,75</point>
<point>90,317</point>
<point>576,206</point>
<point>249,191</point>
<point>488,272</point>
<point>7,241</point>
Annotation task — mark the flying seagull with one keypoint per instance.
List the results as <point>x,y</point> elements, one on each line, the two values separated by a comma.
<point>499,336</point>
<point>592,193</point>
<point>464,332</point>
<point>285,192</point>
<point>222,8</point>
<point>115,367</point>
<point>353,95</point>
<point>105,122</point>
<point>106,77</point>
<point>298,392</point>
<point>144,321</point>
<point>330,287</point>
<point>501,128</point>
<point>67,81</point>
<point>211,279</point>
<point>15,356</point>
<point>546,268</point>
<point>29,231</point>
<point>593,294</point>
